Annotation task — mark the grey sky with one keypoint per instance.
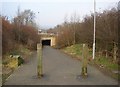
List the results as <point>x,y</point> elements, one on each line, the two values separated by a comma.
<point>53,12</point>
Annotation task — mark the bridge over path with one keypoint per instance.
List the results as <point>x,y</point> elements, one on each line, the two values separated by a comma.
<point>48,38</point>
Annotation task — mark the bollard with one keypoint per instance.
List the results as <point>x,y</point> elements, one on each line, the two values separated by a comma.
<point>84,60</point>
<point>39,56</point>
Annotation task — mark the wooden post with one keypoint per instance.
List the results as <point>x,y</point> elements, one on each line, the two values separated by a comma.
<point>39,56</point>
<point>84,60</point>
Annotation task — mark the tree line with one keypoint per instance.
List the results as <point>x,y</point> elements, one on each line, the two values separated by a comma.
<point>79,32</point>
<point>22,30</point>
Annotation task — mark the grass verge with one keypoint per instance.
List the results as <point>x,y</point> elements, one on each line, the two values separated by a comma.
<point>106,65</point>
<point>6,69</point>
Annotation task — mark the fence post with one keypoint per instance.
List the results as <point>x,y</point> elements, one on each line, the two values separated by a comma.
<point>39,57</point>
<point>84,60</point>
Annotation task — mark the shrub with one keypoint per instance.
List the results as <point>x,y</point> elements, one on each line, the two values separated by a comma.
<point>20,61</point>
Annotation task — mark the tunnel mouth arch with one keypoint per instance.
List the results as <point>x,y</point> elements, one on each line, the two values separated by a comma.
<point>46,42</point>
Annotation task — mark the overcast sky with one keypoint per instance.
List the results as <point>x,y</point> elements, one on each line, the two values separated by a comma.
<point>53,12</point>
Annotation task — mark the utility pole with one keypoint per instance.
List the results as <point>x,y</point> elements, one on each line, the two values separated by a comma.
<point>94,29</point>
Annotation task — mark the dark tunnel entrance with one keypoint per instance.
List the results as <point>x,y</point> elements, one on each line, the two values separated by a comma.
<point>46,42</point>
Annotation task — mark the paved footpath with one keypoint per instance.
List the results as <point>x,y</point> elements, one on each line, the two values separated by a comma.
<point>59,69</point>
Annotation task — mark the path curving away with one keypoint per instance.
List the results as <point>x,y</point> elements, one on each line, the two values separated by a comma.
<point>58,69</point>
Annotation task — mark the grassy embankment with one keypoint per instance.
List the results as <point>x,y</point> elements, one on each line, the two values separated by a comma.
<point>7,70</point>
<point>106,65</point>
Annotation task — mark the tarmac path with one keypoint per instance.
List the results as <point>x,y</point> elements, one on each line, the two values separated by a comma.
<point>58,69</point>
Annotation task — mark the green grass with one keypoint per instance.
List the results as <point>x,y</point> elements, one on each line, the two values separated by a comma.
<point>74,50</point>
<point>108,64</point>
<point>116,76</point>
<point>22,51</point>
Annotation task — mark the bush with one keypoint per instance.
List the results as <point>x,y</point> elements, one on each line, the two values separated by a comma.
<point>20,61</point>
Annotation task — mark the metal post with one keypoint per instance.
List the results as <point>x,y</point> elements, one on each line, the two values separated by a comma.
<point>94,29</point>
<point>39,54</point>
